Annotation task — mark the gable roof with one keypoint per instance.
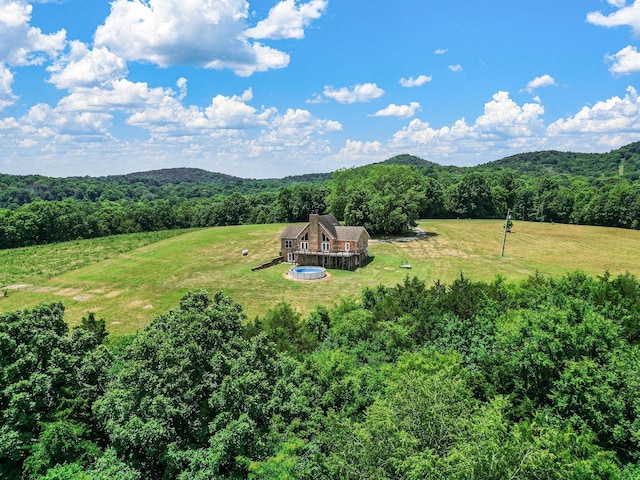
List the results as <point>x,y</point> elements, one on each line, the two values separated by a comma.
<point>332,226</point>
<point>350,233</point>
<point>329,223</point>
<point>292,231</point>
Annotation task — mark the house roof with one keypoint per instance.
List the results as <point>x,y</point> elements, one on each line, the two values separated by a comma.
<point>350,233</point>
<point>331,225</point>
<point>292,231</point>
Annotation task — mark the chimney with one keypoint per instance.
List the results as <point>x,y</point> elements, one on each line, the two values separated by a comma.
<point>314,231</point>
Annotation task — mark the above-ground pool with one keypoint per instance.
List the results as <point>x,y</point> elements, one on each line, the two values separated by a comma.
<point>307,273</point>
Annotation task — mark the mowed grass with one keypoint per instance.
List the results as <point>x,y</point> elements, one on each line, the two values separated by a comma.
<point>132,281</point>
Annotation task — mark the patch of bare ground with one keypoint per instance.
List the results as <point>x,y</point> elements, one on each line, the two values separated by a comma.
<point>68,292</point>
<point>16,286</point>
<point>113,294</point>
<point>83,298</point>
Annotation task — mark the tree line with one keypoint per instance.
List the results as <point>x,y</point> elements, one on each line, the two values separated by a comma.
<point>470,380</point>
<point>386,199</point>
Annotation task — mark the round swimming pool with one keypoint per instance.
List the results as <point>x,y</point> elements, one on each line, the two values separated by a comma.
<point>307,273</point>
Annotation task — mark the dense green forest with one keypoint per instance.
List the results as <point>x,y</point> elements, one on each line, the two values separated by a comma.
<point>530,380</point>
<point>386,198</point>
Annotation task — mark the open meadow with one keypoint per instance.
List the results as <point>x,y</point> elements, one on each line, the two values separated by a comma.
<point>128,280</point>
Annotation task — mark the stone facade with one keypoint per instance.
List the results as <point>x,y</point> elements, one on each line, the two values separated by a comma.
<point>325,242</point>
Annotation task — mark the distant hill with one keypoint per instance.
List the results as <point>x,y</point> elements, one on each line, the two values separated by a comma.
<point>197,175</point>
<point>624,161</point>
<point>406,159</point>
<point>177,175</point>
<point>197,183</point>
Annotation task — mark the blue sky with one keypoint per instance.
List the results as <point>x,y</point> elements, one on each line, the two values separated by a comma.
<point>270,88</point>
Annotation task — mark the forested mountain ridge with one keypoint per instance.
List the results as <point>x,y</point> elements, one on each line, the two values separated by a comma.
<point>198,175</point>
<point>386,198</point>
<point>624,161</point>
<point>21,189</point>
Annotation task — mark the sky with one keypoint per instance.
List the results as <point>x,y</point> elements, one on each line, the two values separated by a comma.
<point>270,88</point>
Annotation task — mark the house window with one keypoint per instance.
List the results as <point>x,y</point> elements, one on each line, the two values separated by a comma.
<point>288,244</point>
<point>304,245</point>
<point>325,246</point>
<point>290,257</point>
<point>347,247</point>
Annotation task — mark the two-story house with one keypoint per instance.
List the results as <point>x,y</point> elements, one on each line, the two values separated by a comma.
<point>326,243</point>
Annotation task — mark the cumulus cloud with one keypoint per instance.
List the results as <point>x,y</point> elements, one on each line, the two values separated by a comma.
<point>316,98</point>
<point>230,128</point>
<point>354,147</point>
<point>455,68</point>
<point>296,129</point>
<point>415,82</point>
<point>624,62</point>
<point>538,82</point>
<point>503,116</point>
<point>612,115</point>
<point>20,43</point>
<point>402,111</point>
<point>503,121</point>
<point>287,20</point>
<point>204,33</point>
<point>441,51</point>
<point>6,80</point>
<point>627,15</point>
<point>364,92</point>
<point>84,67</point>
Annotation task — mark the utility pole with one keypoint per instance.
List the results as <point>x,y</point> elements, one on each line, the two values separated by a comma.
<point>504,238</point>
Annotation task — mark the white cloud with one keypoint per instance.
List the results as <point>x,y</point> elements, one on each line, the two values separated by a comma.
<point>315,99</point>
<point>296,129</point>
<point>287,20</point>
<point>364,92</point>
<point>402,111</point>
<point>503,116</point>
<point>624,62</point>
<point>538,82</point>
<point>504,126</point>
<point>204,33</point>
<point>441,51</point>
<point>455,68</point>
<point>215,137</point>
<point>84,67</point>
<point>358,147</point>
<point>6,80</point>
<point>628,15</point>
<point>415,82</point>
<point>20,43</point>
<point>617,3</point>
<point>118,95</point>
<point>614,115</point>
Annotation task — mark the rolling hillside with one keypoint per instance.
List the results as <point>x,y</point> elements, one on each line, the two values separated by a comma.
<point>129,283</point>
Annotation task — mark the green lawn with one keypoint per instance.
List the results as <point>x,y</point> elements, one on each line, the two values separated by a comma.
<point>128,280</point>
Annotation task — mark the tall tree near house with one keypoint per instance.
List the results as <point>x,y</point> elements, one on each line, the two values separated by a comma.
<point>382,198</point>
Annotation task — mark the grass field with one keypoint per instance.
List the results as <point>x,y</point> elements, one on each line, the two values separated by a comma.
<point>128,280</point>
